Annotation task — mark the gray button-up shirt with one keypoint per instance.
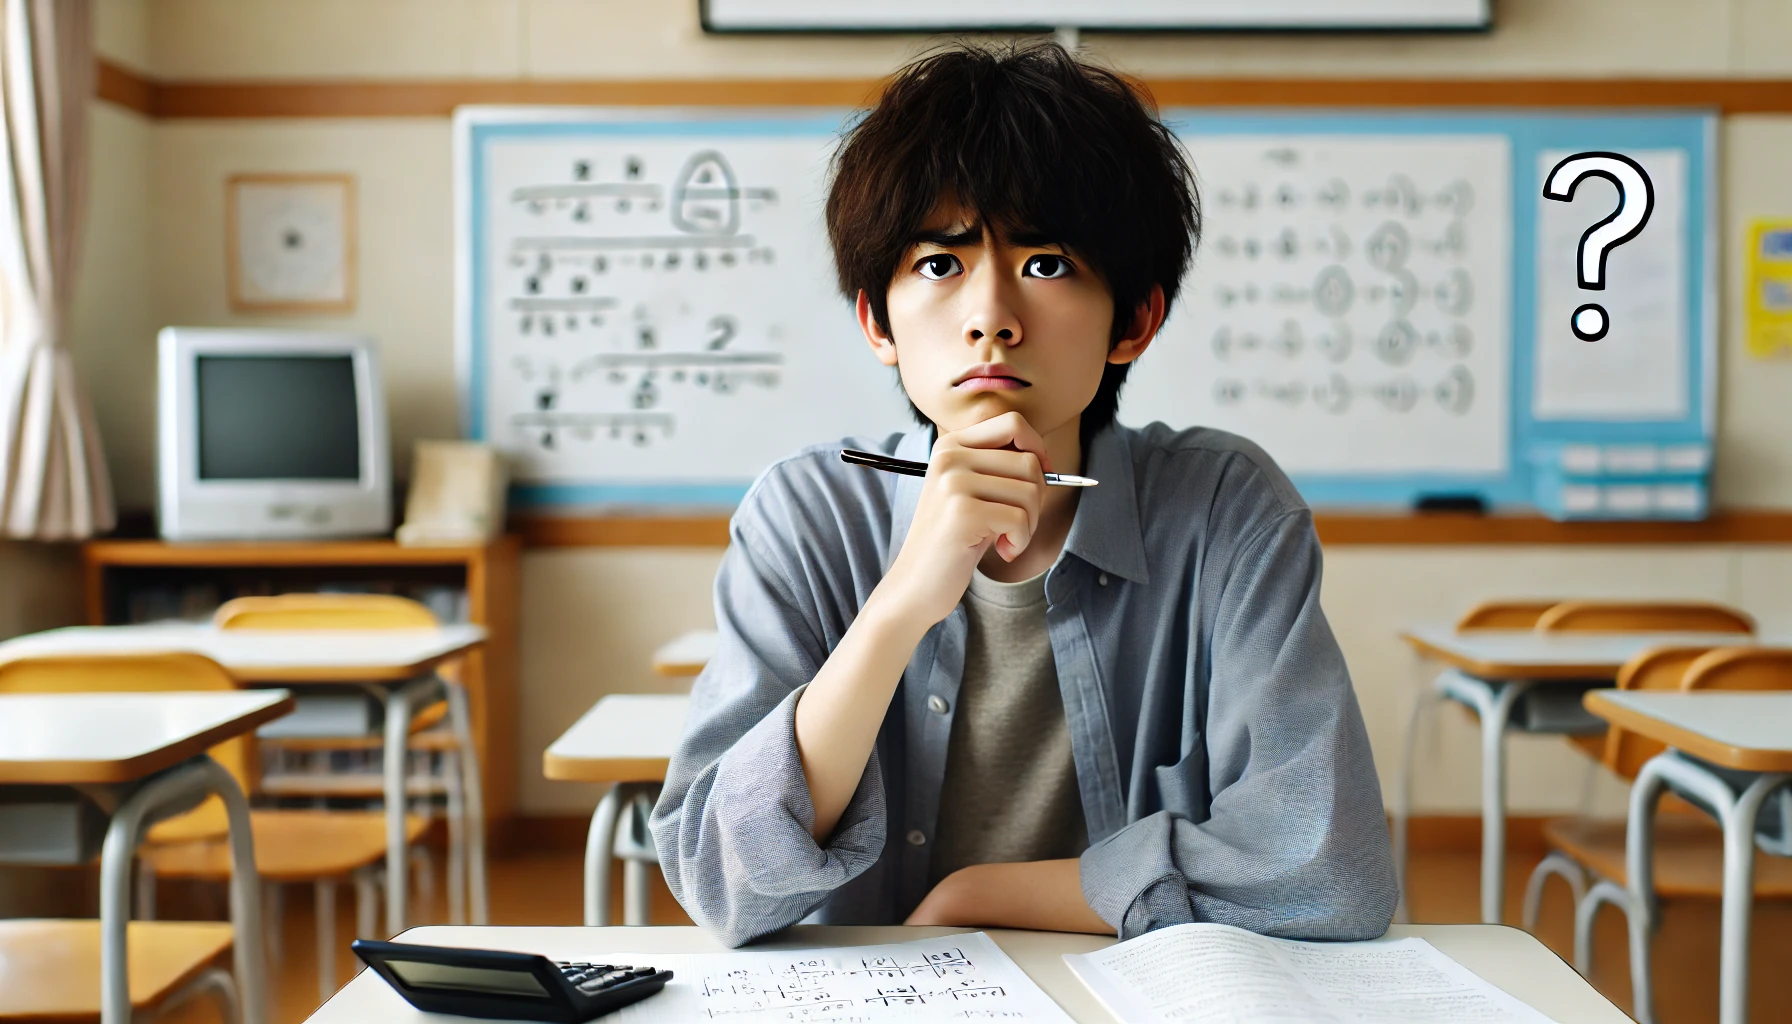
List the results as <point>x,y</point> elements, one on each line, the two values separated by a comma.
<point>1221,758</point>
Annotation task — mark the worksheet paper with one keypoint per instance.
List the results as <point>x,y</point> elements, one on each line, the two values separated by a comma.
<point>952,978</point>
<point>1217,974</point>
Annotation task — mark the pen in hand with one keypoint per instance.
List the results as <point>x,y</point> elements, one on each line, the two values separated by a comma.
<point>907,468</point>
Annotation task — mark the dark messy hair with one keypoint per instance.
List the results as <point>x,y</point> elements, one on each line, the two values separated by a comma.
<point>1033,141</point>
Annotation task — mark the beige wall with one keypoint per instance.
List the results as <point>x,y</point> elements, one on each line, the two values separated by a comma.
<point>592,616</point>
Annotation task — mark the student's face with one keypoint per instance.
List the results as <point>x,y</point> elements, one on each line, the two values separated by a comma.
<point>982,323</point>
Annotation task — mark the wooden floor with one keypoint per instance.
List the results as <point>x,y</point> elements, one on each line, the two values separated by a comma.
<point>545,888</point>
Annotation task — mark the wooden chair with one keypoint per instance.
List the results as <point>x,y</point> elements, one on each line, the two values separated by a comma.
<point>290,846</point>
<point>1639,617</point>
<point>1504,614</point>
<point>1645,617</point>
<point>50,969</point>
<point>1688,843</point>
<point>430,729</point>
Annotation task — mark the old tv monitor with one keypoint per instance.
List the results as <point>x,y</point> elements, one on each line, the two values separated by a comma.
<point>268,435</point>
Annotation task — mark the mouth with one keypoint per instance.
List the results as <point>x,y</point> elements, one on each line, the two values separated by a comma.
<point>990,377</point>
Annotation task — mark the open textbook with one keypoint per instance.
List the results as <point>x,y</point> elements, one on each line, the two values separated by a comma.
<point>1217,974</point>
<point>963,977</point>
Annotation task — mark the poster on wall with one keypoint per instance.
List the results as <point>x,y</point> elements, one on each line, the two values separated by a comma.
<point>1124,15</point>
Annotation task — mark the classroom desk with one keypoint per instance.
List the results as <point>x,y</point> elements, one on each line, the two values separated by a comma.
<point>1507,957</point>
<point>626,739</point>
<point>1494,669</point>
<point>1742,731</point>
<point>399,662</point>
<point>143,753</point>
<point>686,654</point>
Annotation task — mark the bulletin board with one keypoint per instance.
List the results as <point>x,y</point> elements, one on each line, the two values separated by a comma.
<point>646,312</point>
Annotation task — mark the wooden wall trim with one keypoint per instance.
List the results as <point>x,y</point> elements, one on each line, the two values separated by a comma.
<point>543,531</point>
<point>119,85</point>
<point>438,97</point>
<point>1336,529</point>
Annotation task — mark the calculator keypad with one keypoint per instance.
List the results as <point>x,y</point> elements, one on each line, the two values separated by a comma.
<point>594,978</point>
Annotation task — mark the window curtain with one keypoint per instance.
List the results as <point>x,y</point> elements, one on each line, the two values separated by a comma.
<point>53,481</point>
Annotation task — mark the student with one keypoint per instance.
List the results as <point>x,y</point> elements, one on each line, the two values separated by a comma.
<point>970,698</point>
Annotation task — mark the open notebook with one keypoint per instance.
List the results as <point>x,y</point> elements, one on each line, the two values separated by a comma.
<point>1217,974</point>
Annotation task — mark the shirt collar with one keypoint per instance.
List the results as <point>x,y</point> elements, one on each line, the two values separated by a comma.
<point>1105,532</point>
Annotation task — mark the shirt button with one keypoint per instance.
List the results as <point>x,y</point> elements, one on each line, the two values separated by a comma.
<point>1102,579</point>
<point>938,705</point>
<point>915,838</point>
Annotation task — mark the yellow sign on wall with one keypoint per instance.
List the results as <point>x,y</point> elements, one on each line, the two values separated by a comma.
<point>1769,304</point>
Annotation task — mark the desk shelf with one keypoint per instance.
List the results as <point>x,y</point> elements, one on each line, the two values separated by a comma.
<point>472,584</point>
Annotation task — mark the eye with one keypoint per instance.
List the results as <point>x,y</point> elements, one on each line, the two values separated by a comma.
<point>1046,267</point>
<point>939,266</point>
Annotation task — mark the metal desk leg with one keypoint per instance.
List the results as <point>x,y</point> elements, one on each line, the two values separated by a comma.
<point>1493,702</point>
<point>1639,870</point>
<point>598,845</point>
<point>637,890</point>
<point>1739,897</point>
<point>398,736</point>
<point>1421,708</point>
<point>193,779</point>
<point>474,831</point>
<point>1738,814</point>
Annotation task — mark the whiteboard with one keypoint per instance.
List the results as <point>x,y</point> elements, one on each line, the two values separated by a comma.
<point>1348,306</point>
<point>650,315</point>
<point>647,314</point>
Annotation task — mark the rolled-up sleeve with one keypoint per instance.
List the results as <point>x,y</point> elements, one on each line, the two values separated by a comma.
<point>1295,843</point>
<point>732,825</point>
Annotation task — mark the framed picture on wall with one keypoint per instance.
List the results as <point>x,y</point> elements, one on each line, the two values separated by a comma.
<point>1120,15</point>
<point>290,242</point>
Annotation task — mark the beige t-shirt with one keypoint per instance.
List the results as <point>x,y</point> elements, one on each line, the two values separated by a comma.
<point>1010,790</point>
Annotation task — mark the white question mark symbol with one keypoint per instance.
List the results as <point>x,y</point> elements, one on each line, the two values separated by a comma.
<point>1636,200</point>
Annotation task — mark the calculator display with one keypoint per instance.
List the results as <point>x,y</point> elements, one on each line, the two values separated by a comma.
<point>472,979</point>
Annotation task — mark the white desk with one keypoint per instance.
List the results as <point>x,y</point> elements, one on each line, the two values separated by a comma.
<point>686,654</point>
<point>1742,731</point>
<point>146,752</point>
<point>399,661</point>
<point>1507,957</point>
<point>625,740</point>
<point>1494,670</point>
<point>268,655</point>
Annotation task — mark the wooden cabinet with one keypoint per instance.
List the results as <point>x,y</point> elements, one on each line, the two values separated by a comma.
<point>135,580</point>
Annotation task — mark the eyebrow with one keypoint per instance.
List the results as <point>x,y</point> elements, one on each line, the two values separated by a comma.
<point>951,238</point>
<point>972,234</point>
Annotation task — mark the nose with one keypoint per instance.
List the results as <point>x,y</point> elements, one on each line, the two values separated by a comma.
<point>991,313</point>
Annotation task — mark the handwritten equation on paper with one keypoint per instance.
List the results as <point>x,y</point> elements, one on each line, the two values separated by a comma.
<point>1348,306</point>
<point>955,978</point>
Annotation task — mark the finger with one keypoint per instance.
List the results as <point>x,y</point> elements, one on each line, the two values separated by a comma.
<point>1001,490</point>
<point>1012,527</point>
<point>992,462</point>
<point>1010,428</point>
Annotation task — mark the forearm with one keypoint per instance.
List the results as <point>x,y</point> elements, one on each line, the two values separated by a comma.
<point>1040,895</point>
<point>841,710</point>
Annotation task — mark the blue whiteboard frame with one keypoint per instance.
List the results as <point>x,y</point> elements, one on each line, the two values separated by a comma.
<point>1528,134</point>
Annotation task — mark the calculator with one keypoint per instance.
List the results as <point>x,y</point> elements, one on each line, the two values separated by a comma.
<point>507,986</point>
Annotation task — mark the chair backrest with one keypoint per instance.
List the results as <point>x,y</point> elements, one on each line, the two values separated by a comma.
<point>1658,668</point>
<point>324,611</point>
<point>1741,668</point>
<point>1504,614</point>
<point>134,673</point>
<point>1645,617</point>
